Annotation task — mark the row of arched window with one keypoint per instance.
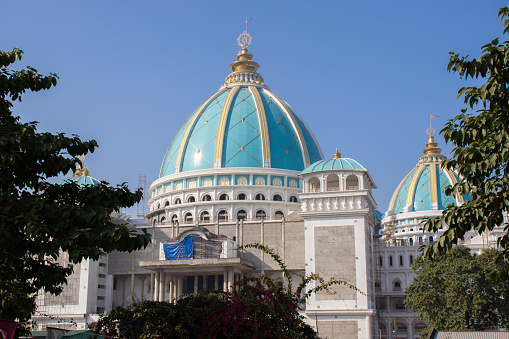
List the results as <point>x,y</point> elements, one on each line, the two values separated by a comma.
<point>225,196</point>
<point>332,183</point>
<point>401,261</point>
<point>222,216</point>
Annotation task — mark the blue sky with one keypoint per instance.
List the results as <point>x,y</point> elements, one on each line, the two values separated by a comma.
<point>364,75</point>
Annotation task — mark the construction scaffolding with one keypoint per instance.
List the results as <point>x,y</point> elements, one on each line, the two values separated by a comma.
<point>142,184</point>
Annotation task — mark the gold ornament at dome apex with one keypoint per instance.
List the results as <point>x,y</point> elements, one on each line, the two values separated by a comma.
<point>244,39</point>
<point>337,155</point>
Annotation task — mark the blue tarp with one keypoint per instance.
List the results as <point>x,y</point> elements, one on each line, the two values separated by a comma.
<point>179,251</point>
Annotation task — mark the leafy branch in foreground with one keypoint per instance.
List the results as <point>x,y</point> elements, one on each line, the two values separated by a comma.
<point>39,220</point>
<point>481,151</point>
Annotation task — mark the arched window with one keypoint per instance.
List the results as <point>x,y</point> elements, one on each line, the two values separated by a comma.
<point>224,181</point>
<point>332,183</point>
<point>260,214</point>
<point>188,217</point>
<point>207,182</point>
<point>377,284</point>
<point>399,305</point>
<point>411,241</point>
<point>396,285</point>
<point>177,201</point>
<point>259,196</point>
<point>390,261</point>
<point>277,182</point>
<point>222,216</point>
<point>224,196</point>
<point>381,261</point>
<point>163,219</point>
<point>411,259</point>
<point>206,197</point>
<point>314,185</point>
<point>241,181</point>
<point>174,219</point>
<point>204,216</point>
<point>191,199</point>
<point>154,222</point>
<point>420,240</point>
<point>241,196</point>
<point>277,197</point>
<point>352,183</point>
<point>178,185</point>
<point>279,215</point>
<point>292,183</point>
<point>400,260</point>
<point>401,328</point>
<point>430,239</point>
<point>158,206</point>
<point>293,198</point>
<point>191,184</point>
<point>241,215</point>
<point>167,203</point>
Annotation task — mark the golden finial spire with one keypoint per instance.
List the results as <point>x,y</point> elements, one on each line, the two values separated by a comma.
<point>244,70</point>
<point>337,155</point>
<point>431,152</point>
<point>81,171</point>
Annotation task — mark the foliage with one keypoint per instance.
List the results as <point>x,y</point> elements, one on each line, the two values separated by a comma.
<point>39,220</point>
<point>454,292</point>
<point>260,308</point>
<point>481,149</point>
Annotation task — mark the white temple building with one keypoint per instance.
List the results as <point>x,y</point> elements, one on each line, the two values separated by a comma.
<point>245,168</point>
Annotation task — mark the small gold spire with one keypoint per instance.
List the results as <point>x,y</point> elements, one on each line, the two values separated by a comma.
<point>337,155</point>
<point>431,152</point>
<point>244,70</point>
<point>80,170</point>
<point>431,145</point>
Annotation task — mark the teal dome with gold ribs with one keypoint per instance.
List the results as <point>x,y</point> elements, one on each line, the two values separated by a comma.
<point>423,188</point>
<point>244,124</point>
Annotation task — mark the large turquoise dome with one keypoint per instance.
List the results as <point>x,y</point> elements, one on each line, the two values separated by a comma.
<point>244,124</point>
<point>423,188</point>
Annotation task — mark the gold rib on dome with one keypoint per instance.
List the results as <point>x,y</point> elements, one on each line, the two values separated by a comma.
<point>222,125</point>
<point>264,130</point>
<point>296,127</point>
<point>411,188</point>
<point>433,184</point>
<point>190,127</point>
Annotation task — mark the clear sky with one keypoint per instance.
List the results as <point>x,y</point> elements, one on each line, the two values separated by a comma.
<point>364,75</point>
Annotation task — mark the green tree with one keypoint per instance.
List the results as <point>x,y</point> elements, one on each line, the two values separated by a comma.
<point>481,149</point>
<point>39,220</point>
<point>454,292</point>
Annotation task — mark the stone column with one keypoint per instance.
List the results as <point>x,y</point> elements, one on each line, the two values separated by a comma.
<point>216,282</point>
<point>171,288</point>
<point>410,328</point>
<point>225,279</point>
<point>195,284</point>
<point>205,282</point>
<point>156,286</point>
<point>230,278</point>
<point>162,284</point>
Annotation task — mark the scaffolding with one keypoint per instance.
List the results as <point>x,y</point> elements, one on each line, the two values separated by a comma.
<point>142,184</point>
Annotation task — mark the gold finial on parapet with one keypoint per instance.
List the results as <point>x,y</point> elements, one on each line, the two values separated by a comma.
<point>337,155</point>
<point>81,171</point>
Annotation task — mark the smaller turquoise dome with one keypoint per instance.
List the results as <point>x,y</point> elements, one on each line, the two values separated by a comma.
<point>423,188</point>
<point>334,164</point>
<point>81,177</point>
<point>82,181</point>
